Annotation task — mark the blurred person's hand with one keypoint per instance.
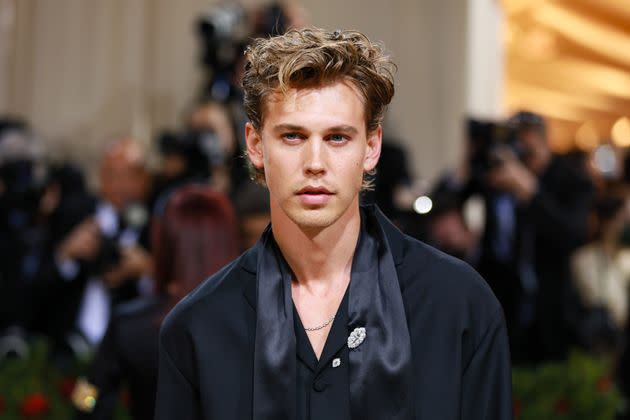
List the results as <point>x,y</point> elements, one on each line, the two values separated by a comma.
<point>512,176</point>
<point>82,243</point>
<point>135,261</point>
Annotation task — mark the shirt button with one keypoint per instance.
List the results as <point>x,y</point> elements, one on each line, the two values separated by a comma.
<point>319,386</point>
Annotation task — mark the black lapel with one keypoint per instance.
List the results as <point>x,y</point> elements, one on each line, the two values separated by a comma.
<point>395,238</point>
<point>249,266</point>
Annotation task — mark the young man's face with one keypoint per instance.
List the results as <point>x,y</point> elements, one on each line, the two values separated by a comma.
<point>314,149</point>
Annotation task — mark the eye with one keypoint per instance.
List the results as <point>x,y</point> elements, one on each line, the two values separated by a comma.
<point>337,138</point>
<point>291,137</point>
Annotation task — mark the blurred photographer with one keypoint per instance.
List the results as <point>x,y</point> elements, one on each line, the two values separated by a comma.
<point>210,123</point>
<point>194,238</point>
<point>110,247</point>
<point>39,205</point>
<point>536,213</point>
<point>23,177</point>
<point>182,161</point>
<point>205,152</point>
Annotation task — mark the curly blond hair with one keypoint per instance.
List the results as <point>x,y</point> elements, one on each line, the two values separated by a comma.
<point>312,57</point>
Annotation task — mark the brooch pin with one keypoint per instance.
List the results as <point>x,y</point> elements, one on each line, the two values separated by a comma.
<point>356,337</point>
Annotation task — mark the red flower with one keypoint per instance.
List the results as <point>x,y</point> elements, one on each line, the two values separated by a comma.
<point>604,384</point>
<point>66,386</point>
<point>517,408</point>
<point>35,405</point>
<point>562,406</point>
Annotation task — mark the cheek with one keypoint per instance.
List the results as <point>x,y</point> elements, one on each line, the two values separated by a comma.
<point>350,172</point>
<point>351,162</point>
<point>271,155</point>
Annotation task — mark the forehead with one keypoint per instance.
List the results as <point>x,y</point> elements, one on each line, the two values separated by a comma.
<point>334,103</point>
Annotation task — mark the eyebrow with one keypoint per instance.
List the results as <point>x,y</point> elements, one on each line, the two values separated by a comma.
<point>347,129</point>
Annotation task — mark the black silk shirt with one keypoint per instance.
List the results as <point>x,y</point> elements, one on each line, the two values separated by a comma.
<point>323,391</point>
<point>460,356</point>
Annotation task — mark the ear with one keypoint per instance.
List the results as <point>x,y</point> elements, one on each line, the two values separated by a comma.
<point>254,146</point>
<point>373,151</point>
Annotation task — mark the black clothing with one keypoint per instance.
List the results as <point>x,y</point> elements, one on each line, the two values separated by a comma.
<point>322,391</point>
<point>460,356</point>
<point>128,355</point>
<point>33,293</point>
<point>556,221</point>
<point>530,272</point>
<point>380,371</point>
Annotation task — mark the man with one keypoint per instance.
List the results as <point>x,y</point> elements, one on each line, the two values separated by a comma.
<point>539,215</point>
<point>334,314</point>
<point>105,257</point>
<point>537,208</point>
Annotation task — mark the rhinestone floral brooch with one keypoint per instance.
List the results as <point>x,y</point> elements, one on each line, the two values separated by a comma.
<point>356,337</point>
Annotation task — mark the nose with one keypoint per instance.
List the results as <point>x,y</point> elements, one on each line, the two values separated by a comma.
<point>314,160</point>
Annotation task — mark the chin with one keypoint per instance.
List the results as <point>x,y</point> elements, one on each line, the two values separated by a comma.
<point>313,218</point>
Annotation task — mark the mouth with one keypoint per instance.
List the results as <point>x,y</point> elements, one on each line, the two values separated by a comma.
<point>314,196</point>
<point>314,191</point>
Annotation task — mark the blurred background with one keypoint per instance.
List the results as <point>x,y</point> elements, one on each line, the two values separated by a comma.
<point>122,182</point>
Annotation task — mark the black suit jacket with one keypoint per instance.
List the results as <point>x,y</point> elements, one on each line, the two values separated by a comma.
<point>458,337</point>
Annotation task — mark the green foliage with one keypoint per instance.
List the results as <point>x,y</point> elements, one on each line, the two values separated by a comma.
<point>580,389</point>
<point>33,388</point>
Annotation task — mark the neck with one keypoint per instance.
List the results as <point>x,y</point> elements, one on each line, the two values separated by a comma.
<point>321,258</point>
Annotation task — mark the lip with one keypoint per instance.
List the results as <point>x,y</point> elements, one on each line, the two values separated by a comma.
<point>314,190</point>
<point>314,196</point>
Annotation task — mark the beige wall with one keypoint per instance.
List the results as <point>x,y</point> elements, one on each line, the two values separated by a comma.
<point>83,71</point>
<point>427,39</point>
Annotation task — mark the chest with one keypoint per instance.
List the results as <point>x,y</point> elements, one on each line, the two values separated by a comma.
<point>317,314</point>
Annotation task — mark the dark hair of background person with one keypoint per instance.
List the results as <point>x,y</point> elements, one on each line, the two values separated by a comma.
<point>196,236</point>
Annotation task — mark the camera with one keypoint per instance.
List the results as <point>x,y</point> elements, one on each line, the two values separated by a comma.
<point>117,233</point>
<point>23,174</point>
<point>201,149</point>
<point>490,141</point>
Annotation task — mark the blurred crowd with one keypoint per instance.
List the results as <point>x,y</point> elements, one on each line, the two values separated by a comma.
<point>550,234</point>
<point>97,270</point>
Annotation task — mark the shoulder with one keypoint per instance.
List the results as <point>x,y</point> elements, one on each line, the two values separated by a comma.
<point>447,300</point>
<point>428,276</point>
<point>207,305</point>
<point>441,274</point>
<point>451,289</point>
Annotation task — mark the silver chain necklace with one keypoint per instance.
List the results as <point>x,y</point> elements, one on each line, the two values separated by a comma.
<point>319,327</point>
